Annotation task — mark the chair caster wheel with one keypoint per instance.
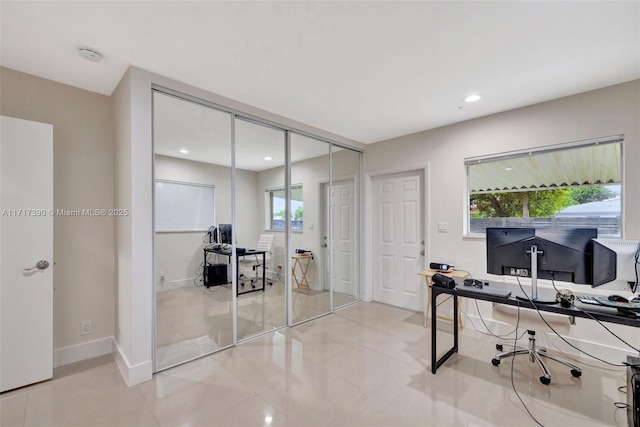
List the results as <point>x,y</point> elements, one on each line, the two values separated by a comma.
<point>495,362</point>
<point>499,347</point>
<point>576,373</point>
<point>253,286</point>
<point>545,380</point>
<point>242,285</point>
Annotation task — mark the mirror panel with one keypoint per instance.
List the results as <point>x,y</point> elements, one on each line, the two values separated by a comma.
<point>192,192</point>
<point>260,172</point>
<point>311,295</point>
<point>343,199</point>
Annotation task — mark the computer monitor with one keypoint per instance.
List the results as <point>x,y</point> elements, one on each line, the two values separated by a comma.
<point>558,253</point>
<point>616,260</point>
<point>225,234</point>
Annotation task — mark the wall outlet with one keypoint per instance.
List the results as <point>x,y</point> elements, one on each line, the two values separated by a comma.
<point>443,227</point>
<point>85,327</point>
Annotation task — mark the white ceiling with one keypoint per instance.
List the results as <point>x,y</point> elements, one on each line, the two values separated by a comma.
<point>368,71</point>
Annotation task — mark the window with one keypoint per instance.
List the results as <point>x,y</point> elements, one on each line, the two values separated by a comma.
<point>181,206</point>
<point>276,208</point>
<point>573,185</point>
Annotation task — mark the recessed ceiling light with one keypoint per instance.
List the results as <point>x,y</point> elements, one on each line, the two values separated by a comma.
<point>508,169</point>
<point>268,158</point>
<point>473,97</point>
<point>184,151</point>
<point>89,53</point>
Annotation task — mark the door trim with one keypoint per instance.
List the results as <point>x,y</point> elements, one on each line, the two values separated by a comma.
<point>367,280</point>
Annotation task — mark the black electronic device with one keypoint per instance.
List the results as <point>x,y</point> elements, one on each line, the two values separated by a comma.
<point>440,266</point>
<point>213,234</point>
<point>226,236</point>
<point>617,298</point>
<point>302,251</point>
<point>443,281</point>
<point>215,275</point>
<point>557,253</point>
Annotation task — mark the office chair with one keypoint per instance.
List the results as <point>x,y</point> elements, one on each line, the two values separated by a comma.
<point>265,243</point>
<point>531,321</point>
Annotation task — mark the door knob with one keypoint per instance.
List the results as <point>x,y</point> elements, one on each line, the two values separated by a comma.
<point>422,252</point>
<point>324,245</point>
<point>40,265</point>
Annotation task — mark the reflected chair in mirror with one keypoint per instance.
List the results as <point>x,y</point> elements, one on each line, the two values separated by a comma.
<point>530,321</point>
<point>250,266</point>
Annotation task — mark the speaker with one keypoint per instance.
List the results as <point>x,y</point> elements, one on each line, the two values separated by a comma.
<point>443,281</point>
<point>440,266</point>
<point>215,275</point>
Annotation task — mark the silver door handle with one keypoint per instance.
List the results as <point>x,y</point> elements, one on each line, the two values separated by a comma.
<point>40,265</point>
<point>422,252</point>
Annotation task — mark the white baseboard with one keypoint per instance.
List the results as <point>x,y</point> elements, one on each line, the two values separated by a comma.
<point>175,284</point>
<point>76,353</point>
<point>132,374</point>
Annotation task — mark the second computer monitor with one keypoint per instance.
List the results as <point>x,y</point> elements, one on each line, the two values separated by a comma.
<point>226,237</point>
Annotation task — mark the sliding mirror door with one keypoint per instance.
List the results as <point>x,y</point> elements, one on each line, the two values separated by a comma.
<point>311,295</point>
<point>342,227</point>
<point>260,180</point>
<point>192,192</point>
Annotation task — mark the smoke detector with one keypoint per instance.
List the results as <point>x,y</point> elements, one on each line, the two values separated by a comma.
<point>89,54</point>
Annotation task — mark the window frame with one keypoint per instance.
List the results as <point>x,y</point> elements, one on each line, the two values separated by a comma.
<point>269,192</point>
<point>470,161</point>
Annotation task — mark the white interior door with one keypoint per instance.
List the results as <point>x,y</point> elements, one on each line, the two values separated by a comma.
<point>26,237</point>
<point>343,236</point>
<point>397,240</point>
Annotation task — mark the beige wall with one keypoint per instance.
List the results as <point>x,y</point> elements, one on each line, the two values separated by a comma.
<point>83,176</point>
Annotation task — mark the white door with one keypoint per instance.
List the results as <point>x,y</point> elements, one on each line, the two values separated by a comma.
<point>343,237</point>
<point>26,237</point>
<point>397,240</point>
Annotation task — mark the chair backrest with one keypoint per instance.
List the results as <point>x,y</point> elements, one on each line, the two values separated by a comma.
<point>265,243</point>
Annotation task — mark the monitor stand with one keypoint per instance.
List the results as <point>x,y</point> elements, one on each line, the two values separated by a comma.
<point>535,252</point>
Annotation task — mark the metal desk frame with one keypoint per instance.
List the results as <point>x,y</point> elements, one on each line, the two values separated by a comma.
<point>601,313</point>
<point>228,253</point>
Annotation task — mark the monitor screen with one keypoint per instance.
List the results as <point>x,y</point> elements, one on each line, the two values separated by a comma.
<point>564,254</point>
<point>616,260</point>
<point>225,234</point>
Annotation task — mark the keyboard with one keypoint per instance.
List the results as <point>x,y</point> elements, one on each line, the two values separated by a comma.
<point>588,299</point>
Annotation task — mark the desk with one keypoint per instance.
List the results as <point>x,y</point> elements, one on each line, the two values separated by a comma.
<point>428,280</point>
<point>602,313</point>
<point>227,252</point>
<point>301,262</point>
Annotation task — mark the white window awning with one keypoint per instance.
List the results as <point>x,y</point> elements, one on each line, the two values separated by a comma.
<point>583,163</point>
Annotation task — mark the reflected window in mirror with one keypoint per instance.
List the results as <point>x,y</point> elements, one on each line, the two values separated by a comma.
<point>276,199</point>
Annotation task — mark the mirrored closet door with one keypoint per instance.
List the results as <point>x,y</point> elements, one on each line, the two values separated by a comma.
<point>192,204</point>
<point>343,225</point>
<point>310,264</point>
<point>259,221</point>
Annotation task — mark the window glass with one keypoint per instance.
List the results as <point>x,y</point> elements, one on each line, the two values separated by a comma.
<point>571,185</point>
<point>277,202</point>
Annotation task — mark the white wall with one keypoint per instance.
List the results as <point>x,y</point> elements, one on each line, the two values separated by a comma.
<point>609,111</point>
<point>83,174</point>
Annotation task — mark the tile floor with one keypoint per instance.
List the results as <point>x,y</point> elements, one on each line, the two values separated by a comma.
<point>365,365</point>
<point>193,321</point>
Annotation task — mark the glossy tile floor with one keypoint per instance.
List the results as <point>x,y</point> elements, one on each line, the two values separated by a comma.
<point>365,365</point>
<point>193,321</point>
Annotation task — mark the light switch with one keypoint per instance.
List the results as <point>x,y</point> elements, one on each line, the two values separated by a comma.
<point>443,227</point>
